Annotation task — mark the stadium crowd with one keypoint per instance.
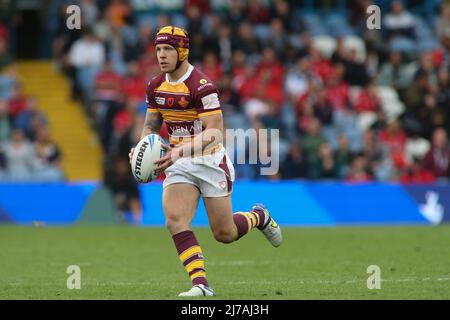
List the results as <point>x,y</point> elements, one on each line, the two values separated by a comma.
<point>27,152</point>
<point>351,103</point>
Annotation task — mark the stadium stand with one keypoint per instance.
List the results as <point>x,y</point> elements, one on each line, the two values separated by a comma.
<point>350,103</point>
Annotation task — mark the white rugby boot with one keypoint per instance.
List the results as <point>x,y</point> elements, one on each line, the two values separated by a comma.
<point>270,229</point>
<point>199,290</point>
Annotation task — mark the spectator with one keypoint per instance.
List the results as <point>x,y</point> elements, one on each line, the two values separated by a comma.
<point>320,66</point>
<point>427,67</point>
<point>295,165</point>
<point>340,53</point>
<point>230,99</point>
<point>297,80</point>
<point>19,157</point>
<point>342,157</point>
<point>359,170</point>
<point>355,72</point>
<point>416,92</point>
<point>225,45</point>
<point>235,15</point>
<point>437,158</point>
<point>256,12</point>
<point>395,72</point>
<point>123,186</point>
<point>311,141</point>
<point>399,22</point>
<point>368,100</point>
<point>394,138</point>
<point>30,119</point>
<point>17,102</point>
<point>443,21</point>
<point>327,164</point>
<point>48,157</point>
<point>211,67</point>
<point>270,73</point>
<point>278,38</point>
<point>258,105</point>
<point>415,173</point>
<point>443,94</point>
<point>5,122</point>
<point>281,10</point>
<point>194,20</point>
<point>5,56</point>
<point>338,90</point>
<point>416,147</point>
<point>87,55</point>
<point>89,11</point>
<point>119,13</point>
<point>246,40</point>
<point>377,155</point>
<point>8,81</point>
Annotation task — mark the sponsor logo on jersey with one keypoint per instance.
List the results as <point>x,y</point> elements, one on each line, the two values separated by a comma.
<point>170,101</point>
<point>160,100</point>
<point>203,81</point>
<point>209,84</point>
<point>183,102</point>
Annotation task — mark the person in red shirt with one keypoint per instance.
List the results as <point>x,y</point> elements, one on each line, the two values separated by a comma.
<point>394,138</point>
<point>133,82</point>
<point>211,66</point>
<point>368,100</point>
<point>17,103</point>
<point>107,84</point>
<point>359,170</point>
<point>256,12</point>
<point>416,173</point>
<point>320,66</point>
<point>437,160</point>
<point>270,73</point>
<point>337,90</point>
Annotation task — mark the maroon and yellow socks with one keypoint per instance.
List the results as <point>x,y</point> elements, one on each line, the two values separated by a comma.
<point>246,221</point>
<point>191,256</point>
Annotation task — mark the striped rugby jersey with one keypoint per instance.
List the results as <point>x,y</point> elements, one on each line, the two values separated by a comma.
<point>183,103</point>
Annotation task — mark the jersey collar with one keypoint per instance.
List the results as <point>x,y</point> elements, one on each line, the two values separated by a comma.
<point>183,77</point>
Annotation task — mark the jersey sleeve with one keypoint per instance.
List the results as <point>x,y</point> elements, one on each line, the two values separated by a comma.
<point>206,98</point>
<point>150,97</point>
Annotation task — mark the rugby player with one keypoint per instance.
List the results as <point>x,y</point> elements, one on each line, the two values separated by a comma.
<point>196,163</point>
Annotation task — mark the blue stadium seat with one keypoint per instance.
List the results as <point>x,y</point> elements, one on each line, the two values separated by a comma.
<point>179,20</point>
<point>403,45</point>
<point>262,31</point>
<point>427,45</point>
<point>147,19</point>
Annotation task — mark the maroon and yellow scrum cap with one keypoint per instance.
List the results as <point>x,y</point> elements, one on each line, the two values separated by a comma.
<point>177,38</point>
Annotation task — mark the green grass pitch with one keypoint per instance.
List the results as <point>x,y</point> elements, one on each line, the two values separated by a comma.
<point>122,262</point>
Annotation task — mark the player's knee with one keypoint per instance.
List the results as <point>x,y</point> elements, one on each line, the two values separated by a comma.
<point>224,236</point>
<point>175,224</point>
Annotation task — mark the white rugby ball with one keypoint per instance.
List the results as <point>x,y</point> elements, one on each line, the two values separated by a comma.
<point>146,152</point>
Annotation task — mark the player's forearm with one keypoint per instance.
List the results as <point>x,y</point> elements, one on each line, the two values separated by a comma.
<point>152,124</point>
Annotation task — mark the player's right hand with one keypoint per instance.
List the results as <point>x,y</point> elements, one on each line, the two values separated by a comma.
<point>130,155</point>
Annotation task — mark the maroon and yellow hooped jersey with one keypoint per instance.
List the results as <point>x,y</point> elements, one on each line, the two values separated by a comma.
<point>183,103</point>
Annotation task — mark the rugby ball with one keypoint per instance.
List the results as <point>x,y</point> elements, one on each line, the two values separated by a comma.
<point>146,152</point>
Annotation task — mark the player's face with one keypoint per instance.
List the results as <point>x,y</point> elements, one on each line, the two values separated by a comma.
<point>167,57</point>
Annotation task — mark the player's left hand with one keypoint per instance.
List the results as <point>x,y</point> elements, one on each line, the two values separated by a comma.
<point>172,154</point>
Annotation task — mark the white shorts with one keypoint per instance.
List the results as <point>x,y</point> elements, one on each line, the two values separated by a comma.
<point>212,174</point>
